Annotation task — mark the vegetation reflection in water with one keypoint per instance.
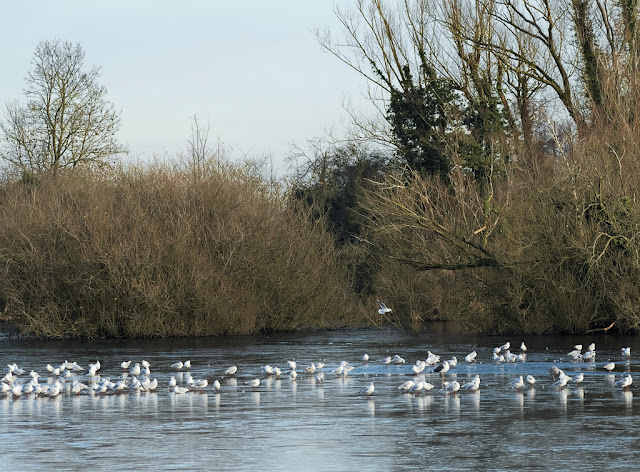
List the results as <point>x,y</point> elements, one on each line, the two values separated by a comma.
<point>294,423</point>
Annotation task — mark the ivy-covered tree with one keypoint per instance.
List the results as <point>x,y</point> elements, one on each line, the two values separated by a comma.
<point>418,117</point>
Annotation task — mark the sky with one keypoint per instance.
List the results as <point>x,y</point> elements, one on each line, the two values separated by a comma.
<point>253,70</point>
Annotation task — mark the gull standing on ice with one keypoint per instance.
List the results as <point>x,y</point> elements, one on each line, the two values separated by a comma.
<point>253,383</point>
<point>368,390</point>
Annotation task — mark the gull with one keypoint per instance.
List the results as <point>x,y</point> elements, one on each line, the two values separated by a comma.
<point>231,370</point>
<point>523,347</point>
<point>505,346</point>
<point>187,365</point>
<point>135,370</point>
<point>120,386</point>
<point>517,382</point>
<point>320,365</point>
<point>338,370</point>
<point>578,378</point>
<point>442,368</point>
<point>125,365</point>
<point>267,369</point>
<point>151,386</point>
<point>253,383</point>
<point>610,366</point>
<point>624,382</point>
<point>199,384</point>
<point>368,390</point>
<point>386,360</point>
<point>418,368</point>
<point>383,308</point>
<point>34,375</point>
<point>589,355</point>
<point>575,354</point>
<point>626,351</point>
<point>55,389</point>
<point>145,364</point>
<point>498,358</point>
<point>471,357</point>
<point>180,390</point>
<point>417,387</point>
<point>473,385</point>
<point>397,359</point>
<point>406,385</point>
<point>177,365</point>
<point>521,357</point>
<point>311,369</point>
<point>592,347</point>
<point>14,369</point>
<point>453,362</point>
<point>292,365</point>
<point>277,371</point>
<point>432,359</point>
<point>76,367</point>
<point>16,390</point>
<point>293,374</point>
<point>93,370</point>
<point>136,385</point>
<point>320,377</point>
<point>510,357</point>
<point>172,382</point>
<point>9,378</point>
<point>562,381</point>
<point>554,371</point>
<point>365,357</point>
<point>531,380</point>
<point>216,385</point>
<point>49,368</point>
<point>451,387</point>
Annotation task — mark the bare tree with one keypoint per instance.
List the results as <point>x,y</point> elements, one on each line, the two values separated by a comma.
<point>67,120</point>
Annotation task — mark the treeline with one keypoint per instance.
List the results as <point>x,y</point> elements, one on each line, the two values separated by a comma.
<point>509,198</point>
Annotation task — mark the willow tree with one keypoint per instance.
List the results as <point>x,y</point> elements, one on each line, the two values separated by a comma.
<point>67,120</point>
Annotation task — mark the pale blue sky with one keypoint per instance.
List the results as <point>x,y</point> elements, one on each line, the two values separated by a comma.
<point>254,68</point>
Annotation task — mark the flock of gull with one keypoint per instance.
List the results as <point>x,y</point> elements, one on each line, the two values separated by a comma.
<point>69,377</point>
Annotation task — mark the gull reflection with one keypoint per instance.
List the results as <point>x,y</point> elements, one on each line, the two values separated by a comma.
<point>423,403</point>
<point>626,396</point>
<point>475,400</point>
<point>452,403</point>
<point>231,382</point>
<point>519,400</point>
<point>371,406</point>
<point>255,397</point>
<point>562,395</point>
<point>531,393</point>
